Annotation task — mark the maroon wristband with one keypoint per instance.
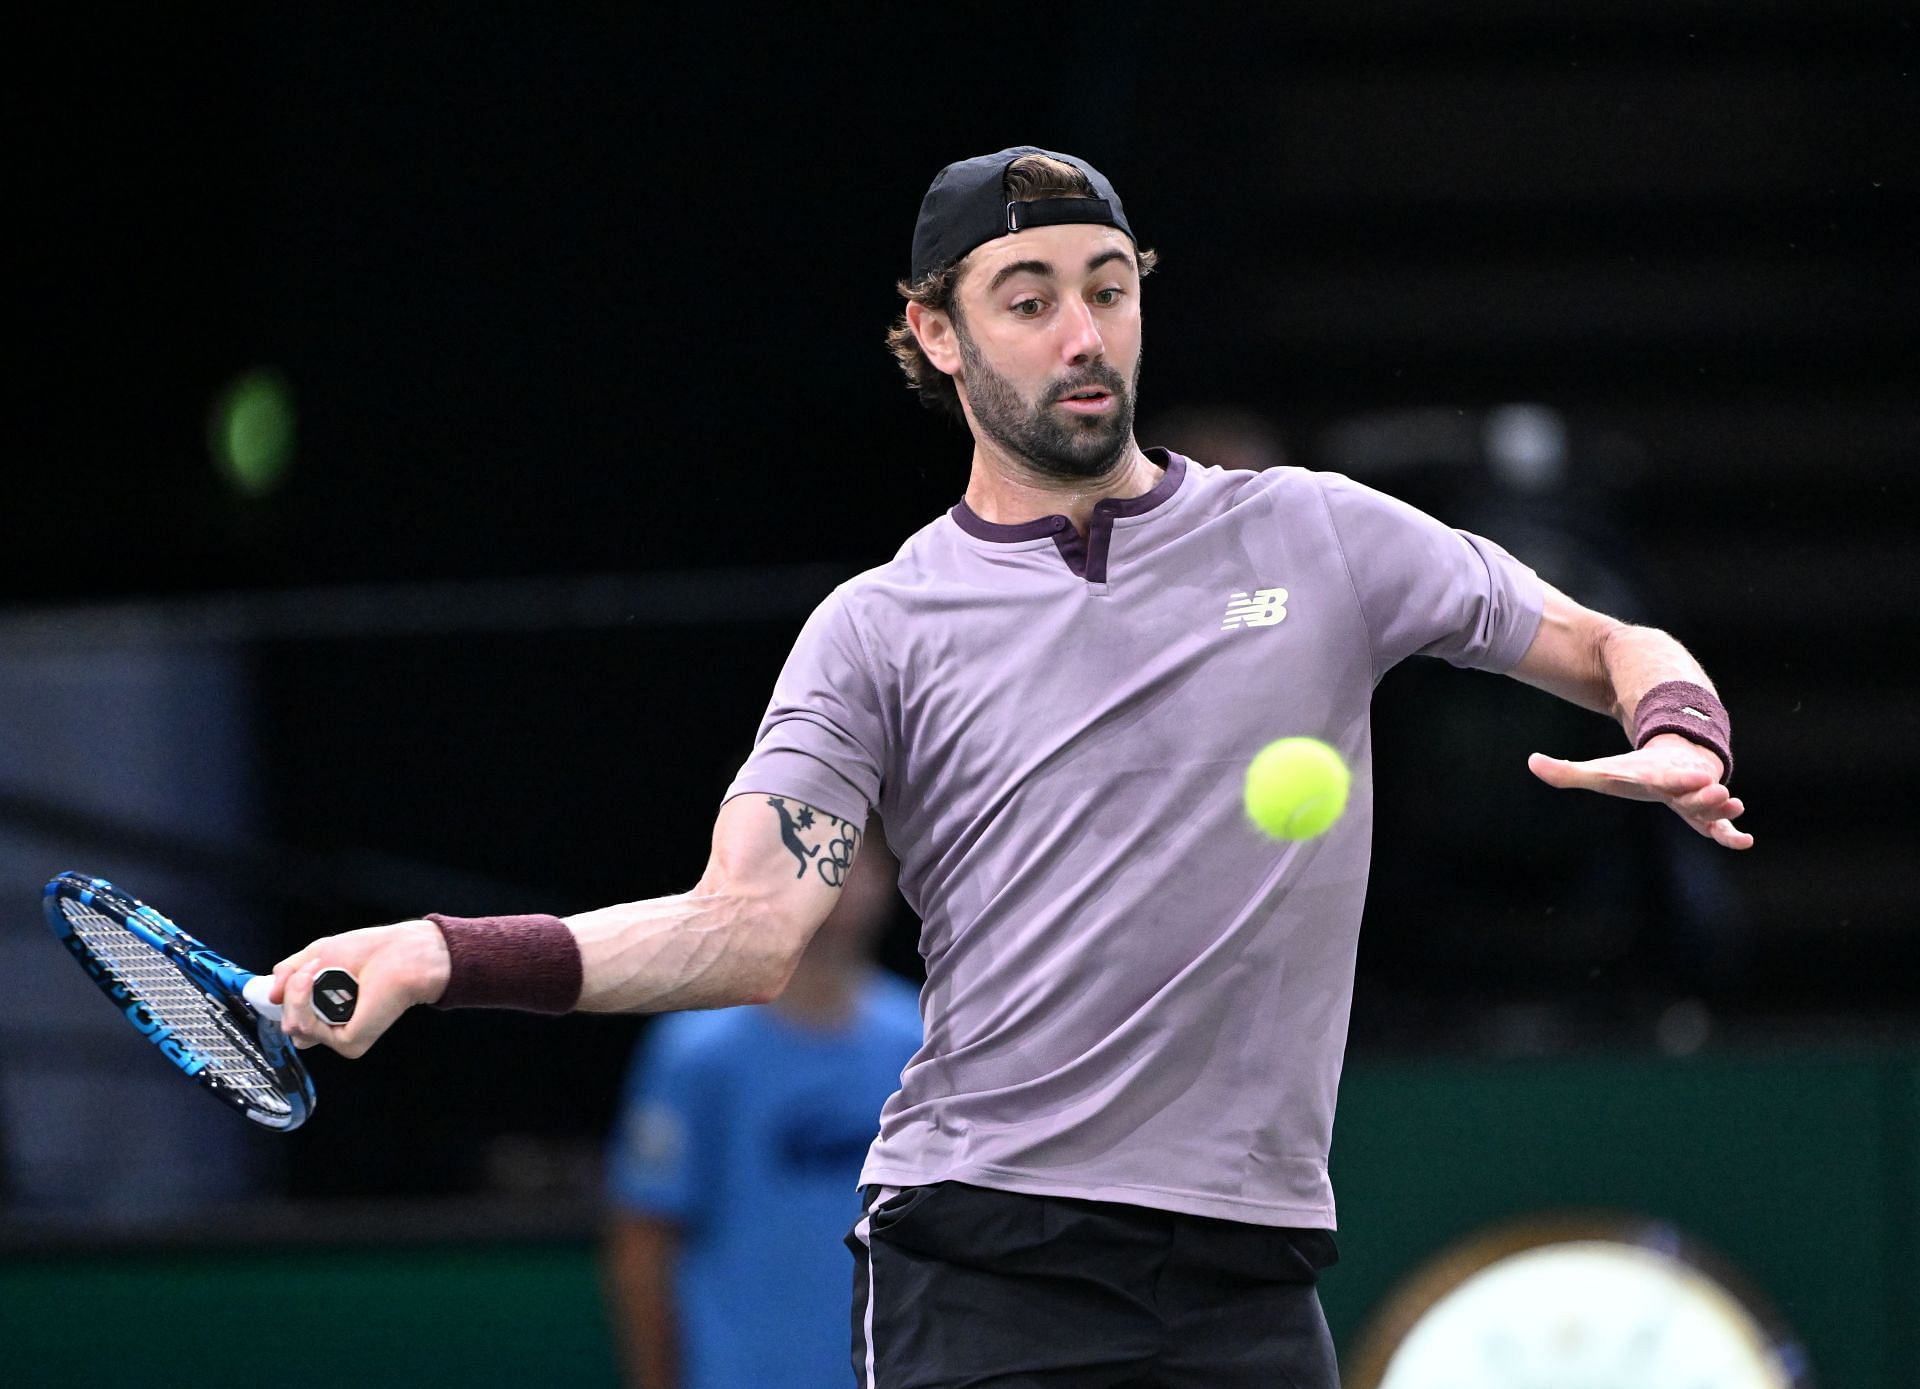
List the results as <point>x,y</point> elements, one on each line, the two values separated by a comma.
<point>527,962</point>
<point>1694,712</point>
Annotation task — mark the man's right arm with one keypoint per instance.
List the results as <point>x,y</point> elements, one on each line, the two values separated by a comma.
<point>773,875</point>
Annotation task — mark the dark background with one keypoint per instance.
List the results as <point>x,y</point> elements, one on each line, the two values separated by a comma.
<point>597,291</point>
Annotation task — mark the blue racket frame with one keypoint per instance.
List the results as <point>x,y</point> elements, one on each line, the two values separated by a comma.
<point>213,974</point>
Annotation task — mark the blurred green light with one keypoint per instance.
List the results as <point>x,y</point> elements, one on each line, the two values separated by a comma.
<point>251,432</point>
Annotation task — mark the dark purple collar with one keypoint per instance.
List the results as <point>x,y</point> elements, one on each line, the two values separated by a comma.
<point>1085,555</point>
<point>980,528</point>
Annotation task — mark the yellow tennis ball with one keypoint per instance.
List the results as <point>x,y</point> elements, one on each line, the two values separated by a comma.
<point>1296,788</point>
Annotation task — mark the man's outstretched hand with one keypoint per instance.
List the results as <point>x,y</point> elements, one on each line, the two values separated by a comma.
<point>397,967</point>
<point>1670,769</point>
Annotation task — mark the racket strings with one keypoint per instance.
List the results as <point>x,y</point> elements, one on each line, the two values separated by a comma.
<point>172,999</point>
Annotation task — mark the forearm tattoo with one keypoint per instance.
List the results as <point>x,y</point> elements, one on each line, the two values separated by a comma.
<point>816,840</point>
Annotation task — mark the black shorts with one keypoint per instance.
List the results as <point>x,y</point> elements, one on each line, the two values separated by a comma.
<point>956,1285</point>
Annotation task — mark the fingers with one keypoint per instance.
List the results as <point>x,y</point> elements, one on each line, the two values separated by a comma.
<point>1653,773</point>
<point>306,1028</point>
<point>1675,783</point>
<point>1713,817</point>
<point>396,967</point>
<point>1719,826</point>
<point>1711,811</point>
<point>284,971</point>
<point>1564,775</point>
<point>302,1025</point>
<point>295,984</point>
<point>293,990</point>
<point>1705,804</point>
<point>1630,775</point>
<point>1725,833</point>
<point>1552,770</point>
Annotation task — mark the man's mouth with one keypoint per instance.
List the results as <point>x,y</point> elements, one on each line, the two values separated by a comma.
<point>1092,400</point>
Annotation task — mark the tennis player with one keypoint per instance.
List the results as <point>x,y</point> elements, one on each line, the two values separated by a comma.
<point>1107,1165</point>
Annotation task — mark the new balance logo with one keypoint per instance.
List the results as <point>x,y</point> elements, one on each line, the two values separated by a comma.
<point>339,998</point>
<point>1262,608</point>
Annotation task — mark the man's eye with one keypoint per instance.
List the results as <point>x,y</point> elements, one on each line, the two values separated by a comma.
<point>1106,298</point>
<point>1028,308</point>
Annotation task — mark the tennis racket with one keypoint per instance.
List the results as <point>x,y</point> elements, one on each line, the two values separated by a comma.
<point>205,1014</point>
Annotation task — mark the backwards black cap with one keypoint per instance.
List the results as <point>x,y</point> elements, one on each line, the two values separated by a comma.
<point>968,204</point>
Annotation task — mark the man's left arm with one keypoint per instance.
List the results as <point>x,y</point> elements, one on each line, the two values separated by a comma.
<point>1612,667</point>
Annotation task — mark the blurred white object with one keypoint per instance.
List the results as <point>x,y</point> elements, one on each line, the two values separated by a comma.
<point>1589,1313</point>
<point>1526,447</point>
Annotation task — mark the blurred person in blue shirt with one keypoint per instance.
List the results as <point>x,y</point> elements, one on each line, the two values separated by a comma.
<point>732,1171</point>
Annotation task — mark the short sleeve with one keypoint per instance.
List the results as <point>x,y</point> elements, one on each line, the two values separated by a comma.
<point>665,1136</point>
<point>1427,589</point>
<point>823,740</point>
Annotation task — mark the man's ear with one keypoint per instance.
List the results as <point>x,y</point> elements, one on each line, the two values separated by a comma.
<point>934,329</point>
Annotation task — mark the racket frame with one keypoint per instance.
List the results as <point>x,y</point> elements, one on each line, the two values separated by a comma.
<point>224,983</point>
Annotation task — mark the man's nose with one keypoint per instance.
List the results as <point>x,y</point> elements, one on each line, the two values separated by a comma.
<point>1081,341</point>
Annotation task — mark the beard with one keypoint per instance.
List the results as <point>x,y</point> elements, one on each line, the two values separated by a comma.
<point>1054,443</point>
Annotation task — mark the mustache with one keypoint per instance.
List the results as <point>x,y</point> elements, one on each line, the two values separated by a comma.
<point>1099,374</point>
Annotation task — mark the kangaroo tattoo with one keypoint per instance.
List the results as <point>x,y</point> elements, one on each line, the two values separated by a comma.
<point>790,833</point>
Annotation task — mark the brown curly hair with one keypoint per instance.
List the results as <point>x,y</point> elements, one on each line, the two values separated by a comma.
<point>1029,179</point>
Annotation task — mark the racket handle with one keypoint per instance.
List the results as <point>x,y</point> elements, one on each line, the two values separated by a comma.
<point>255,992</point>
<point>335,994</point>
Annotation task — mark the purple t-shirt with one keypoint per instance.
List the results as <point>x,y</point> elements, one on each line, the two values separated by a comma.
<point>1132,995</point>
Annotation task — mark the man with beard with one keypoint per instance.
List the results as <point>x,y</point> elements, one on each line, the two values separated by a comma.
<point>1106,1166</point>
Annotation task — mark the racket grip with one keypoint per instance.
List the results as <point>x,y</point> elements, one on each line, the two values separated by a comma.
<point>335,994</point>
<point>255,992</point>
